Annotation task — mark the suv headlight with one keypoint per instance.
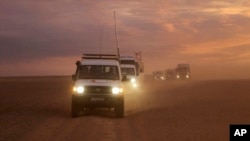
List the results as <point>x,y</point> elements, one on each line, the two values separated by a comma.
<point>132,80</point>
<point>117,90</point>
<point>78,89</point>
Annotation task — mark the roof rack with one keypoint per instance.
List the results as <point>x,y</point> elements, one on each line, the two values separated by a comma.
<point>100,56</point>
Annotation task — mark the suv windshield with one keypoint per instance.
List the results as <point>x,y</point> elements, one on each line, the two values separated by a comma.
<point>128,71</point>
<point>182,69</point>
<point>98,72</point>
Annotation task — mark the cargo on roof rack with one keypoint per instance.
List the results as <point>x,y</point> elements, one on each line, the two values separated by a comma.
<point>100,56</point>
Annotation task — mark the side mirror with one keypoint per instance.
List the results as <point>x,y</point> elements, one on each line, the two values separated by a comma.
<point>141,70</point>
<point>74,77</point>
<point>124,78</point>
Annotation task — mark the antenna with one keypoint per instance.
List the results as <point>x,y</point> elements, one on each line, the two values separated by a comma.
<point>117,46</point>
<point>101,39</point>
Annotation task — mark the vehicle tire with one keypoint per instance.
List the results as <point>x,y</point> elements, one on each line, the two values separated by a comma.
<point>75,108</point>
<point>119,109</point>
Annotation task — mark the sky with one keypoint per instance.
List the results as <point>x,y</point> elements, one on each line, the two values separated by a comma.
<point>47,37</point>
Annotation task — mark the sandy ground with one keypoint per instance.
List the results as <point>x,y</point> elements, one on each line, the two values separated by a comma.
<point>38,109</point>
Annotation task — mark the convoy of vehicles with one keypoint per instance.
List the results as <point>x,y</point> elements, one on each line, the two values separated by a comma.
<point>99,81</point>
<point>98,84</point>
<point>181,72</point>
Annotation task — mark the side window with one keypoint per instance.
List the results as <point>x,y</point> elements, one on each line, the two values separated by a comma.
<point>83,71</point>
<point>107,69</point>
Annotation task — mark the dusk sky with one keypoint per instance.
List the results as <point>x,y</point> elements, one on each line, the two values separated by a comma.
<point>46,37</point>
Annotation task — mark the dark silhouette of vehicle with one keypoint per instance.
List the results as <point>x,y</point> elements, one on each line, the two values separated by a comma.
<point>183,71</point>
<point>158,75</point>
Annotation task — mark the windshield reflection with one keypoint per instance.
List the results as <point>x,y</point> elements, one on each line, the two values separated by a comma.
<point>98,72</point>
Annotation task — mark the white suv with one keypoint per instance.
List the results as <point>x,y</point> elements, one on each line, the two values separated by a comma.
<point>97,84</point>
<point>130,72</point>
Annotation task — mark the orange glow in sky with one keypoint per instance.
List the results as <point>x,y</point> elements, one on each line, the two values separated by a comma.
<point>212,36</point>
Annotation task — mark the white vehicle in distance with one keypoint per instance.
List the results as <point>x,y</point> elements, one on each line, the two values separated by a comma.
<point>137,62</point>
<point>132,76</point>
<point>97,84</point>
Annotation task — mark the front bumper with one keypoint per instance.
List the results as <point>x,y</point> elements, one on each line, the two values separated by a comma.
<point>97,100</point>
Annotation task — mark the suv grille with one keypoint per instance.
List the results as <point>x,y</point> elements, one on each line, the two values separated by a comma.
<point>98,89</point>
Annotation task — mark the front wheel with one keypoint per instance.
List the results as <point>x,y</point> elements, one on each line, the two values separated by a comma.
<point>75,108</point>
<point>119,109</point>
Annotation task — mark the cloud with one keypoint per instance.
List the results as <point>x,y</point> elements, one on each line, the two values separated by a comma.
<point>228,52</point>
<point>175,30</point>
<point>239,7</point>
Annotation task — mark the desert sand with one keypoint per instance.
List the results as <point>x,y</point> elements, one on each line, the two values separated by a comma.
<point>38,109</point>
